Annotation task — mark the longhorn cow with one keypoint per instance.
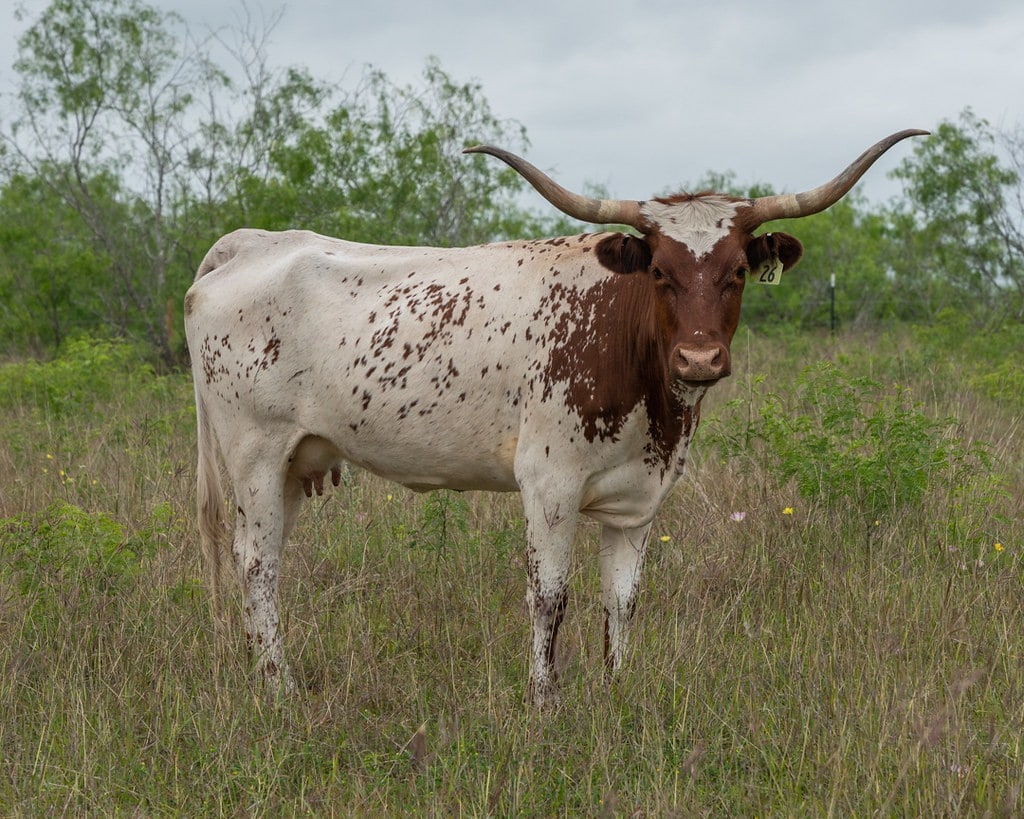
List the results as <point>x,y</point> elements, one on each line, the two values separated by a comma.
<point>571,370</point>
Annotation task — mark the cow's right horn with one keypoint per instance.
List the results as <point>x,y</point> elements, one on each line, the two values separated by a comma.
<point>584,208</point>
<point>792,205</point>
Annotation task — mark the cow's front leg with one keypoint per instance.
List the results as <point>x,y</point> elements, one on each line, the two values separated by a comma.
<point>622,559</point>
<point>550,527</point>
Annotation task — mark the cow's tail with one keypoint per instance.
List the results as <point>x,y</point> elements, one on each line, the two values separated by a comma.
<point>210,506</point>
<point>213,531</point>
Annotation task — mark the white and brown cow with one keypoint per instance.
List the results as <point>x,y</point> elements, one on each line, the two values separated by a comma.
<point>570,370</point>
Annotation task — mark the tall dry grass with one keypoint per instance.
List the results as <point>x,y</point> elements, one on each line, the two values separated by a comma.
<point>816,662</point>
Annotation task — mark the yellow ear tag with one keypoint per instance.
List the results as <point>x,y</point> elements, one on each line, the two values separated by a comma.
<point>769,271</point>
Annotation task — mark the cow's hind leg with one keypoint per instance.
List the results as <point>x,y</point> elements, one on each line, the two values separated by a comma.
<point>265,508</point>
<point>622,558</point>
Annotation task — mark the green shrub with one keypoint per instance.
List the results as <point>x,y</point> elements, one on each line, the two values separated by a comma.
<point>442,519</point>
<point>88,372</point>
<point>847,442</point>
<point>64,545</point>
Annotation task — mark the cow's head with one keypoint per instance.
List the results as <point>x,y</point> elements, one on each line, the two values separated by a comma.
<point>698,251</point>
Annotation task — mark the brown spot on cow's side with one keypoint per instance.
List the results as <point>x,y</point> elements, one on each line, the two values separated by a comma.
<point>271,352</point>
<point>609,353</point>
<point>190,299</point>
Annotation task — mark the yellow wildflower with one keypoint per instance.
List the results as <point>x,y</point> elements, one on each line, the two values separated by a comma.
<point>664,538</point>
<point>788,510</point>
<point>999,547</point>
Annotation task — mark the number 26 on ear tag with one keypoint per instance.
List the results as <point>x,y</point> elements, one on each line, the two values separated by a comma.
<point>769,271</point>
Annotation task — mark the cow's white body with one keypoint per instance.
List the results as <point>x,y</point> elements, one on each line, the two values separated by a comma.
<point>569,369</point>
<point>409,368</point>
<point>428,367</point>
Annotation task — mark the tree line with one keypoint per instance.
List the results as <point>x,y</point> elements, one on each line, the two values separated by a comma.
<point>131,144</point>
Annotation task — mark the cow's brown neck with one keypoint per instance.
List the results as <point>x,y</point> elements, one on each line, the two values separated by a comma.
<point>611,357</point>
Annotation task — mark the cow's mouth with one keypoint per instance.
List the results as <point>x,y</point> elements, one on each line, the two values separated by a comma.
<point>693,386</point>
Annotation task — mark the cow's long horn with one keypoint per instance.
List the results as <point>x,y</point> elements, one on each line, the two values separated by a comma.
<point>584,208</point>
<point>791,205</point>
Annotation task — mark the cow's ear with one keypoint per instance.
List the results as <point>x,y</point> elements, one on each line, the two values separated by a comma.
<point>774,247</point>
<point>622,253</point>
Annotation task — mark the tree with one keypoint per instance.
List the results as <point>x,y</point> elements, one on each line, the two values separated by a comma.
<point>145,150</point>
<point>106,123</point>
<point>960,240</point>
<point>51,283</point>
<point>382,164</point>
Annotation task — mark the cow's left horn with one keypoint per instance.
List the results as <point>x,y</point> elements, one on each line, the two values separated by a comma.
<point>584,208</point>
<point>791,205</point>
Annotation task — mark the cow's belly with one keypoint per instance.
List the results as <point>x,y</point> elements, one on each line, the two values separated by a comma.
<point>415,433</point>
<point>439,463</point>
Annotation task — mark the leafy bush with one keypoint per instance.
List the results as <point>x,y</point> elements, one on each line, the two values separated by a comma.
<point>443,519</point>
<point>64,546</point>
<point>847,442</point>
<point>986,356</point>
<point>88,371</point>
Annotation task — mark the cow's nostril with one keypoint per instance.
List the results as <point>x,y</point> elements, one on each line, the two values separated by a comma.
<point>704,363</point>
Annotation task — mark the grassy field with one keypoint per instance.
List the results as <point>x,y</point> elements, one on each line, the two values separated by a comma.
<point>831,620</point>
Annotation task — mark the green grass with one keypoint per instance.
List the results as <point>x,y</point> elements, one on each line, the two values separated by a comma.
<point>852,657</point>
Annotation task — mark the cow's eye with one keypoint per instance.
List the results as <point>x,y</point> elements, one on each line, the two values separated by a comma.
<point>742,272</point>
<point>658,275</point>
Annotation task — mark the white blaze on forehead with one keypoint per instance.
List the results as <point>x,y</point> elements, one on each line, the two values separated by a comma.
<point>698,223</point>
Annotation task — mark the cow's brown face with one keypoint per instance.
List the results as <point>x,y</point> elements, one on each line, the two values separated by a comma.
<point>702,298</point>
<point>697,301</point>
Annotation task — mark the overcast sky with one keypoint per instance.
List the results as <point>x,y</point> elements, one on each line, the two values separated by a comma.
<point>645,96</point>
